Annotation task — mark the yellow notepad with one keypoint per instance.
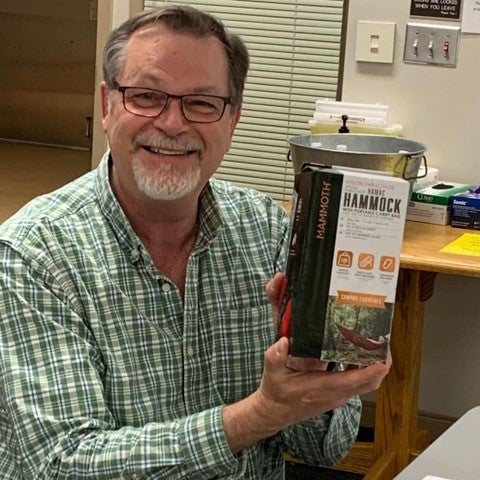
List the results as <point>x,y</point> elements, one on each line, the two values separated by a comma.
<point>466,244</point>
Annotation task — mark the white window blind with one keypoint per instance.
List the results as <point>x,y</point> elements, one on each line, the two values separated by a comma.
<point>294,48</point>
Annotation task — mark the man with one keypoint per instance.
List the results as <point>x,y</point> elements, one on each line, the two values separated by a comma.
<point>136,333</point>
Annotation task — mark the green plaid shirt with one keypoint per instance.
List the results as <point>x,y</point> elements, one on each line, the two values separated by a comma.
<point>107,373</point>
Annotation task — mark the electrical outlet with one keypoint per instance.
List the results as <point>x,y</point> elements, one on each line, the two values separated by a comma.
<point>429,44</point>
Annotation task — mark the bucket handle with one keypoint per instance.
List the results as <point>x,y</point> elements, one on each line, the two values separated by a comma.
<point>407,159</point>
<point>308,164</point>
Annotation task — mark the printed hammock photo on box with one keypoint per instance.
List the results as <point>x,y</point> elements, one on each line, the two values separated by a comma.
<point>338,295</point>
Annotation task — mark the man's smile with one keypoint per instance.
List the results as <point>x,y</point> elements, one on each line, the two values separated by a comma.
<point>164,151</point>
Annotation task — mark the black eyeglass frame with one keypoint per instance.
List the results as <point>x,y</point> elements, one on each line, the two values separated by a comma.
<point>123,88</point>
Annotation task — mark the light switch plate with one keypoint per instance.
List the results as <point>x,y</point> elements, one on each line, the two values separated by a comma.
<point>375,41</point>
<point>430,44</point>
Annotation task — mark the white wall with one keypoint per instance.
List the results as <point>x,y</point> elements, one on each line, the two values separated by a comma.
<point>441,108</point>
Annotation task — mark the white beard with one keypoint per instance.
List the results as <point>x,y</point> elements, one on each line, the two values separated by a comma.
<point>163,183</point>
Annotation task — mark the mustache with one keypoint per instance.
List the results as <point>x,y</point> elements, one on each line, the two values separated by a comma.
<point>161,141</point>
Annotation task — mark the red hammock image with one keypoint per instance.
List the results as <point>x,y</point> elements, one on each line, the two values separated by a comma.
<point>360,340</point>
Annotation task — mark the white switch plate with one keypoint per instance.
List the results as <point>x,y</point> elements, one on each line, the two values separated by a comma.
<point>375,41</point>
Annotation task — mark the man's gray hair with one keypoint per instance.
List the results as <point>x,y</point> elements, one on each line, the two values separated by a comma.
<point>182,19</point>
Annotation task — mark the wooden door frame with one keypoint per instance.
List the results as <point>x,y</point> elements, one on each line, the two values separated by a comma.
<point>110,13</point>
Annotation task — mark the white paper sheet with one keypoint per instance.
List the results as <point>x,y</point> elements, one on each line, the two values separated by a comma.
<point>471,16</point>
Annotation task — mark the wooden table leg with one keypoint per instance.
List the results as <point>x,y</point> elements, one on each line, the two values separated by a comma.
<point>397,398</point>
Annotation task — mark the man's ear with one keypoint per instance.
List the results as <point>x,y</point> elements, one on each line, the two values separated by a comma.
<point>104,96</point>
<point>236,119</point>
<point>105,106</point>
<point>233,123</point>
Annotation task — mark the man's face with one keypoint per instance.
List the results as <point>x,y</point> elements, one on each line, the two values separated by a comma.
<point>167,157</point>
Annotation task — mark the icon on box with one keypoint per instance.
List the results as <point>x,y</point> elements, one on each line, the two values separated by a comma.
<point>387,264</point>
<point>365,261</point>
<point>344,258</point>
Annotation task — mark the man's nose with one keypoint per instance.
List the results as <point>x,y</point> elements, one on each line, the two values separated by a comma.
<point>172,118</point>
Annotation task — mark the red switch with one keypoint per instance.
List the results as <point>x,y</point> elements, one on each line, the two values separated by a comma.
<point>446,46</point>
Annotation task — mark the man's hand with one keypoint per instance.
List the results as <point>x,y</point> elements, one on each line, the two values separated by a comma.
<point>293,389</point>
<point>286,396</point>
<point>292,396</point>
<point>296,363</point>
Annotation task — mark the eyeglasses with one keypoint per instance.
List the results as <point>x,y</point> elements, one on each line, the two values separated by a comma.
<point>146,102</point>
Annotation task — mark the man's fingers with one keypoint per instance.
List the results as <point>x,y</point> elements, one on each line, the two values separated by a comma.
<point>277,353</point>
<point>306,364</point>
<point>389,360</point>
<point>346,384</point>
<point>273,288</point>
<point>298,394</point>
<point>364,380</point>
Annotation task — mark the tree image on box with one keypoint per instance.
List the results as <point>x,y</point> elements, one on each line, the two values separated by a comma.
<point>356,334</point>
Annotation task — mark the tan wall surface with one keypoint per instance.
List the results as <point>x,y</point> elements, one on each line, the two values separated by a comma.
<point>47,70</point>
<point>438,106</point>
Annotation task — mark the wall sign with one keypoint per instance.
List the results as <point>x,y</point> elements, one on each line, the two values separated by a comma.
<point>447,9</point>
<point>471,16</point>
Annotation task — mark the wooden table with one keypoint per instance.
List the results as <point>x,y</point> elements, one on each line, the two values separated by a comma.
<point>397,439</point>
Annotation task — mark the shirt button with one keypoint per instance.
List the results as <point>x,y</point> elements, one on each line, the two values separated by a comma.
<point>190,351</point>
<point>166,287</point>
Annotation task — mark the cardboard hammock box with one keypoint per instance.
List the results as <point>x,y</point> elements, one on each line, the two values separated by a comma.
<point>346,236</point>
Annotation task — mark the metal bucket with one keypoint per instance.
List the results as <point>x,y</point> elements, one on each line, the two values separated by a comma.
<point>399,156</point>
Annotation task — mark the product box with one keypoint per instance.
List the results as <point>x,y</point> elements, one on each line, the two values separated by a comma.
<point>432,204</point>
<point>466,209</point>
<point>346,235</point>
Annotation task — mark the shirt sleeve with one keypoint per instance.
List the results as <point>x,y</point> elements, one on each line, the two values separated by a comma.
<point>280,233</point>
<point>52,399</point>
<point>326,439</point>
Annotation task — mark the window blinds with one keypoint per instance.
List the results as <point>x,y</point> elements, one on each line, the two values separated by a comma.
<point>294,48</point>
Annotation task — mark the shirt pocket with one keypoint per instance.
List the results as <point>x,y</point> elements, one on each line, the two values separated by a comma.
<point>239,342</point>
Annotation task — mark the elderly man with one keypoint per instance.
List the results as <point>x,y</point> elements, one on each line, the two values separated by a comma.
<point>137,336</point>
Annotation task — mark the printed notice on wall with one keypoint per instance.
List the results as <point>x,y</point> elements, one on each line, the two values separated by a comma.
<point>447,9</point>
<point>471,16</point>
